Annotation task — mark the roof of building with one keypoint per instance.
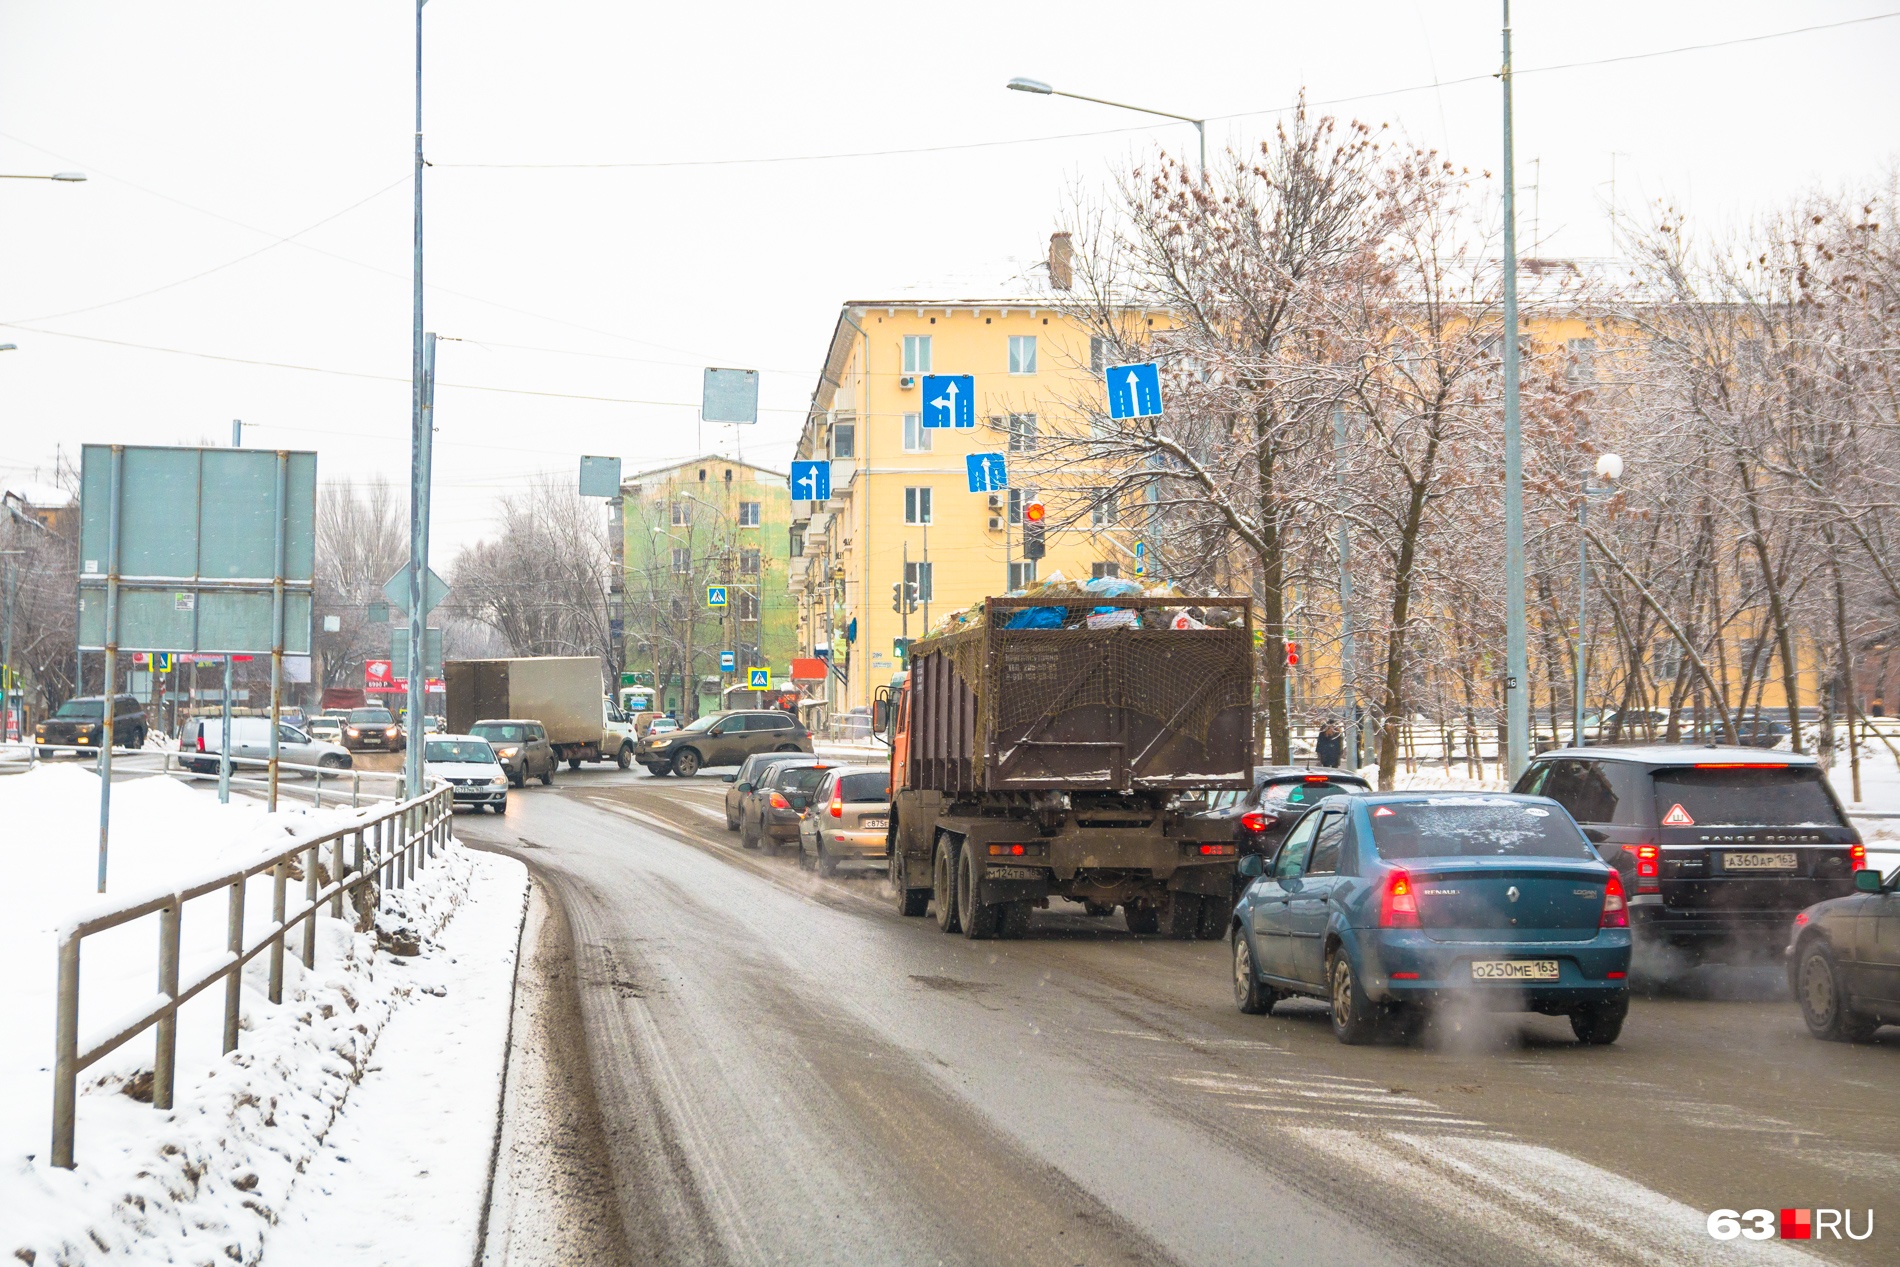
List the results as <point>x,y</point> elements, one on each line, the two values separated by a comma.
<point>704,458</point>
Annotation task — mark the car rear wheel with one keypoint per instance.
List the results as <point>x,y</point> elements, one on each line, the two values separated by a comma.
<point>1355,1020</point>
<point>686,764</point>
<point>980,919</point>
<point>1824,1004</point>
<point>1250,996</point>
<point>1599,1024</point>
<point>518,779</point>
<point>943,886</point>
<point>910,902</point>
<point>746,839</point>
<point>334,761</point>
<point>826,864</point>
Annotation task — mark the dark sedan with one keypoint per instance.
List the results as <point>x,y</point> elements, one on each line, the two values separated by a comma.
<point>1259,817</point>
<point>1844,960</point>
<point>1387,905</point>
<point>770,812</point>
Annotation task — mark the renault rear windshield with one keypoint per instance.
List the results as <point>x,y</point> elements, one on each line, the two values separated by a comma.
<point>1716,794</point>
<point>1475,827</point>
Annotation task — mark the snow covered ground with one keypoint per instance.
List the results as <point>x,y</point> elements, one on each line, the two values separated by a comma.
<point>206,1180</point>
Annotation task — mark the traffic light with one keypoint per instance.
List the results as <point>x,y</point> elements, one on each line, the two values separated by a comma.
<point>911,595</point>
<point>903,596</point>
<point>897,596</point>
<point>1033,515</point>
<point>1292,655</point>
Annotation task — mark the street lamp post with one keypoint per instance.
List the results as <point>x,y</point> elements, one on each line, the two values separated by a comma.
<point>1517,682</point>
<point>1609,470</point>
<point>63,177</point>
<point>419,453</point>
<point>1021,84</point>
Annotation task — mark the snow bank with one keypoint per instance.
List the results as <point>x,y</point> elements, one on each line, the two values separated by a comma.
<point>201,1182</point>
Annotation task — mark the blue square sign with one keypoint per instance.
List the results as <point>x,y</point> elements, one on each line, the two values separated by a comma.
<point>715,596</point>
<point>988,472</point>
<point>1134,391</point>
<point>728,661</point>
<point>949,400</point>
<point>759,679</point>
<point>811,481</point>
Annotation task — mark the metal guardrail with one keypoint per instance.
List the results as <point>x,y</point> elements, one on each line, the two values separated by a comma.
<point>173,761</point>
<point>388,846</point>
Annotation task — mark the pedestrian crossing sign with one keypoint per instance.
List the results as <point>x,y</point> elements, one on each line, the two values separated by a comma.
<point>759,679</point>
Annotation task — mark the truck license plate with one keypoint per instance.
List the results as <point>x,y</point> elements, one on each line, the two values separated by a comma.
<point>1758,862</point>
<point>874,822</point>
<point>1514,970</point>
<point>1013,873</point>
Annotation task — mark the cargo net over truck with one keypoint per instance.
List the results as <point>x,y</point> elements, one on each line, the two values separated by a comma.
<point>1077,691</point>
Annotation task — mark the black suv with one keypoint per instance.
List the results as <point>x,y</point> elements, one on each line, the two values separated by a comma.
<point>1261,816</point>
<point>1719,847</point>
<point>80,722</point>
<point>721,739</point>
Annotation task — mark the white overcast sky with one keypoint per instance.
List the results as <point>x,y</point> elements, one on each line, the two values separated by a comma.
<point>211,130</point>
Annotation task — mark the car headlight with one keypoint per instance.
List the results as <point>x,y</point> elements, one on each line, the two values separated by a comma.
<point>353,731</point>
<point>500,780</point>
<point>505,753</point>
<point>391,730</point>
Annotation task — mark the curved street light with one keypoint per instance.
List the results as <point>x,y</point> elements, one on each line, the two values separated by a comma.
<point>1022,83</point>
<point>1609,469</point>
<point>66,177</point>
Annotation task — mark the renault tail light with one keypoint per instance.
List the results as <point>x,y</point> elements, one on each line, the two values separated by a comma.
<point>1616,910</point>
<point>1398,905</point>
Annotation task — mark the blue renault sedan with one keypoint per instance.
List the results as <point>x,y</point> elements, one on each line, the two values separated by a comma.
<point>1387,904</point>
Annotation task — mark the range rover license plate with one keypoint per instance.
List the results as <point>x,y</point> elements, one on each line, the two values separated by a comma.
<point>1758,862</point>
<point>1513,969</point>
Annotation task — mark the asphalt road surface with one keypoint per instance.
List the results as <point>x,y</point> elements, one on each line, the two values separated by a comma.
<point>720,1058</point>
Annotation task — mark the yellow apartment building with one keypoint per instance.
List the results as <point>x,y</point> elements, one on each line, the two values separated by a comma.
<point>900,506</point>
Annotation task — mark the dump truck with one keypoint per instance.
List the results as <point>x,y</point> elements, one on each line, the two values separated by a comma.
<point>563,693</point>
<point>1066,761</point>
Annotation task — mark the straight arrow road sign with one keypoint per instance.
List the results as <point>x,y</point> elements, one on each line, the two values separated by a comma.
<point>1134,391</point>
<point>949,400</point>
<point>988,472</point>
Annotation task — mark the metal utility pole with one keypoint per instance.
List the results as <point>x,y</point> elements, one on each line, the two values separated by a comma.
<point>1347,662</point>
<point>418,480</point>
<point>1517,699</point>
<point>8,674</point>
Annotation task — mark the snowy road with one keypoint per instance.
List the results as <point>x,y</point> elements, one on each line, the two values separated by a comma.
<point>784,1070</point>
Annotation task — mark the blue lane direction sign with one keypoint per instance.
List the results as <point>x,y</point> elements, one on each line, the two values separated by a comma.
<point>715,596</point>
<point>949,400</point>
<point>811,481</point>
<point>759,679</point>
<point>728,661</point>
<point>1134,391</point>
<point>988,472</point>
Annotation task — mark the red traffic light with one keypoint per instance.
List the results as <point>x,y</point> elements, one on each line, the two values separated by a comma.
<point>1033,513</point>
<point>1292,655</point>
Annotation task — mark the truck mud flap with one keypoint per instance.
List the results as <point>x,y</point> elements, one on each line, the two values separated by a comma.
<point>1204,879</point>
<point>1004,884</point>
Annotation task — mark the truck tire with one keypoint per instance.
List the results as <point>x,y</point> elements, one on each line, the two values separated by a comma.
<point>1142,918</point>
<point>573,763</point>
<point>980,919</point>
<point>1180,915</point>
<point>943,888</point>
<point>910,902</point>
<point>624,758</point>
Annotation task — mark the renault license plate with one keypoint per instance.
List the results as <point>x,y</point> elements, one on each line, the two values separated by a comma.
<point>1758,862</point>
<point>874,822</point>
<point>1513,969</point>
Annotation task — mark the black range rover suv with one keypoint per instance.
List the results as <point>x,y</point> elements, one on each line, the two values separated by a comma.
<point>1719,847</point>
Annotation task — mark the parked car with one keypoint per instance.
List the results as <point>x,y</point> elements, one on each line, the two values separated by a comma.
<point>468,764</point>
<point>1718,847</point>
<point>720,739</point>
<point>521,746</point>
<point>661,726</point>
<point>201,745</point>
<point>1844,960</point>
<point>1389,904</point>
<point>1259,817</point>
<point>848,820</point>
<point>372,729</point>
<point>770,812</point>
<point>80,723</point>
<point>748,775</point>
<point>327,728</point>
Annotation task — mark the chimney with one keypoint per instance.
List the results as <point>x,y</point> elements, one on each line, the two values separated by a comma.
<point>1061,257</point>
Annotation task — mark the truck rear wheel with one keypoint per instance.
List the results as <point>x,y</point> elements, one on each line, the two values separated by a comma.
<point>910,902</point>
<point>943,888</point>
<point>1142,918</point>
<point>980,919</point>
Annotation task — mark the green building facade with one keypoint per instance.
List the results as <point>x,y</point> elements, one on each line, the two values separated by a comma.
<point>710,522</point>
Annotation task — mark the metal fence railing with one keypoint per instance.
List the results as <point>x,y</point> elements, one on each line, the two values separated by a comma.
<point>299,780</point>
<point>387,845</point>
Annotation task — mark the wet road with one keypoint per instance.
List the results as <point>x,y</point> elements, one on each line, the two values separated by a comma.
<point>783,1069</point>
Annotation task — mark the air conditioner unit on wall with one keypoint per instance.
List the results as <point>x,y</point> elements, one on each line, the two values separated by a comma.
<point>996,501</point>
<point>996,523</point>
<point>907,382</point>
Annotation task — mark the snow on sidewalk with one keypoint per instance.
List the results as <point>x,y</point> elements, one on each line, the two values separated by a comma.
<point>402,1177</point>
<point>203,1181</point>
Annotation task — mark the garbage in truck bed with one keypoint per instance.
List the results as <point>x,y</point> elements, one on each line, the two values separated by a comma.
<point>1091,605</point>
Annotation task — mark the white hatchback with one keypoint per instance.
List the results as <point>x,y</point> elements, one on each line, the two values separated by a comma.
<point>468,764</point>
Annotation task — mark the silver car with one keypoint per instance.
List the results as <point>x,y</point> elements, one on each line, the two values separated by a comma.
<point>849,819</point>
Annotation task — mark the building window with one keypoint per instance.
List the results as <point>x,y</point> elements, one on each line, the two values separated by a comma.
<point>917,505</point>
<point>917,354</point>
<point>1017,496</point>
<point>1581,368</point>
<point>1666,660</point>
<point>1105,511</point>
<point>682,560</point>
<point>1022,575</point>
<point>844,440</point>
<point>682,514</point>
<point>748,604</point>
<point>1022,433</point>
<point>918,574</point>
<point>1099,570</point>
<point>1098,354</point>
<point>1022,354</point>
<point>749,562</point>
<point>798,543</point>
<point>916,434</point>
<point>748,514</point>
